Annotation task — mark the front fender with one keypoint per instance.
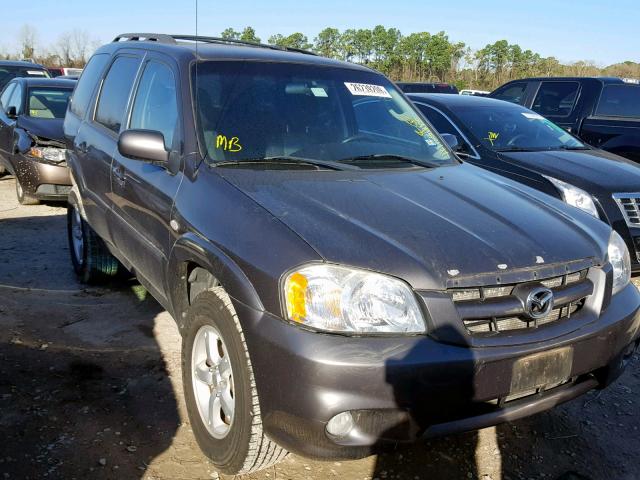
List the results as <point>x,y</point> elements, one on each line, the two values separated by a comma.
<point>191,248</point>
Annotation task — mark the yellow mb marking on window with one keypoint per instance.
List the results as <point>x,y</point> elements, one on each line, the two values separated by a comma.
<point>228,144</point>
<point>493,136</point>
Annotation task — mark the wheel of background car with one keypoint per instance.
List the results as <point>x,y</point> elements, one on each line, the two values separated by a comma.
<point>220,392</point>
<point>24,198</point>
<point>516,137</point>
<point>92,261</point>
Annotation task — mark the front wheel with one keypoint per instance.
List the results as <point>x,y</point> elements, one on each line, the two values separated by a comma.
<point>220,391</point>
<point>92,261</point>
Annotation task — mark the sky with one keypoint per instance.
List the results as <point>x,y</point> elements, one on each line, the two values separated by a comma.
<point>569,30</point>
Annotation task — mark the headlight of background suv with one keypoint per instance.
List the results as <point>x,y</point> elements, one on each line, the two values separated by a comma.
<point>575,196</point>
<point>340,299</point>
<point>51,154</point>
<point>618,256</point>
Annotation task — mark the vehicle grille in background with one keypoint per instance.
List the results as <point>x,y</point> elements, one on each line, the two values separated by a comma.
<point>507,323</point>
<point>629,204</point>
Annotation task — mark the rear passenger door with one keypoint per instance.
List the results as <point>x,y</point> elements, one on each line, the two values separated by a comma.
<point>557,100</point>
<point>143,193</point>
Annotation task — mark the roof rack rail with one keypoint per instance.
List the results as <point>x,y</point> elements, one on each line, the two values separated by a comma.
<point>149,37</point>
<point>233,41</point>
<point>173,39</point>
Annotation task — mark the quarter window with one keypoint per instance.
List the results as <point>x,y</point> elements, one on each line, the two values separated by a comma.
<point>556,99</point>
<point>87,83</point>
<point>619,101</point>
<point>155,105</point>
<point>116,88</point>
<point>513,93</point>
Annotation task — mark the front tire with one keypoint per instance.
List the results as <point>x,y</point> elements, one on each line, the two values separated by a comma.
<point>220,391</point>
<point>24,198</point>
<point>92,261</point>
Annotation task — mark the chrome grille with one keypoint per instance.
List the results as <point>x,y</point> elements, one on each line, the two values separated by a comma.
<point>629,204</point>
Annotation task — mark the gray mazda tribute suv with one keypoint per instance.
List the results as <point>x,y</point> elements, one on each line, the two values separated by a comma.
<point>340,279</point>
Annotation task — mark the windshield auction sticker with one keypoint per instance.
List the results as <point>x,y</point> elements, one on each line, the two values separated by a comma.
<point>366,90</point>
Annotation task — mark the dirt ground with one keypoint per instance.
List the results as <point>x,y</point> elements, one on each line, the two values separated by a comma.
<point>90,388</point>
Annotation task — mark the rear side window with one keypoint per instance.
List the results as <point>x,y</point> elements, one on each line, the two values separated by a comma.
<point>115,92</point>
<point>513,93</point>
<point>155,106</point>
<point>619,101</point>
<point>87,83</point>
<point>556,99</point>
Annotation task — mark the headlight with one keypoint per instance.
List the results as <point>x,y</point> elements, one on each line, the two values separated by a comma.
<point>575,196</point>
<point>51,154</point>
<point>339,299</point>
<point>618,256</point>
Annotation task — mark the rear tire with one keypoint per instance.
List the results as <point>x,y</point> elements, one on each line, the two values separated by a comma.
<point>24,198</point>
<point>214,355</point>
<point>92,261</point>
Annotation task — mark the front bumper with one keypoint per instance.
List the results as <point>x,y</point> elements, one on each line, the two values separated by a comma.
<point>45,181</point>
<point>402,389</point>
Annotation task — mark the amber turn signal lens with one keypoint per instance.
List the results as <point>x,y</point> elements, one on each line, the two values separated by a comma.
<point>296,289</point>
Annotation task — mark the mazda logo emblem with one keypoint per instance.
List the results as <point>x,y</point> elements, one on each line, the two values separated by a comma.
<point>539,302</point>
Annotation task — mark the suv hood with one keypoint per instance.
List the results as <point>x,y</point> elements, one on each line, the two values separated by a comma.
<point>424,225</point>
<point>595,171</point>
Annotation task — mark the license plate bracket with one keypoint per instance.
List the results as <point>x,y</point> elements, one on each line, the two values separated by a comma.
<point>540,369</point>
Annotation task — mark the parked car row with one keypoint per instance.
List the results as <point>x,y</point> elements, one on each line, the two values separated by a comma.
<point>343,276</point>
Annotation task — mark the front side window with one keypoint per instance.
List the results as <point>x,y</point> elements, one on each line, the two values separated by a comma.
<point>16,99</point>
<point>254,110</point>
<point>116,89</point>
<point>87,83</point>
<point>513,128</point>
<point>556,99</point>
<point>47,102</point>
<point>513,93</point>
<point>155,105</point>
<point>443,125</point>
<point>619,101</point>
<point>6,95</point>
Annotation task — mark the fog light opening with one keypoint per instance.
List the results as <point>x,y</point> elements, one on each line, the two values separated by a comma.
<point>341,425</point>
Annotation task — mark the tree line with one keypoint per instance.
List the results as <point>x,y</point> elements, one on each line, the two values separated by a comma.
<point>420,56</point>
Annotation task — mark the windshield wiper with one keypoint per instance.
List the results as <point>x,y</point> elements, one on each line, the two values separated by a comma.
<point>569,147</point>
<point>518,149</point>
<point>386,156</point>
<point>283,160</point>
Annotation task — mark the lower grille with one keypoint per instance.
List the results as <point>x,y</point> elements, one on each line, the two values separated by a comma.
<point>48,189</point>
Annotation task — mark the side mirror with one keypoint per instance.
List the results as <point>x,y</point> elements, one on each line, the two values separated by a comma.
<point>452,141</point>
<point>12,112</point>
<point>145,145</point>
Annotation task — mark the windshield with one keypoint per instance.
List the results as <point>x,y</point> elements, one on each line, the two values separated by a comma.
<point>256,110</point>
<point>510,127</point>
<point>48,102</point>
